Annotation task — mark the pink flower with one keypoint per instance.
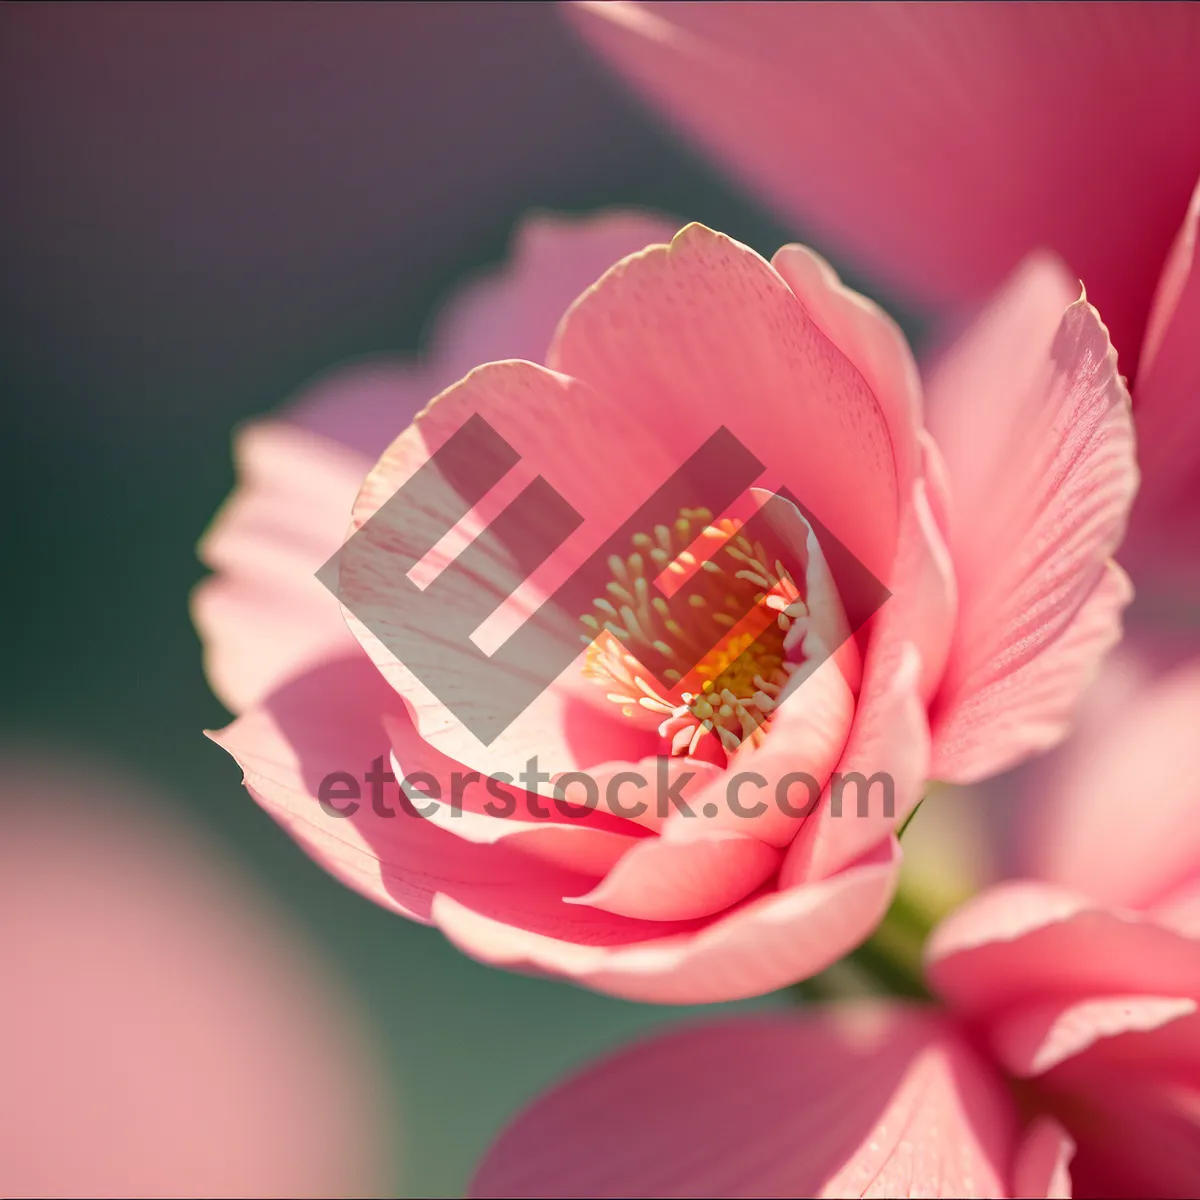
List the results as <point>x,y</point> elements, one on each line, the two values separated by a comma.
<point>162,1031</point>
<point>992,535</point>
<point>940,143</point>
<point>1083,985</point>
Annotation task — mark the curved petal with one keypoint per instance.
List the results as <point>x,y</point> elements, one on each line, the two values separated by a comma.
<point>1026,942</point>
<point>704,333</point>
<point>870,339</point>
<point>1031,708</point>
<point>1117,821</point>
<point>664,879</point>
<point>1043,1159</point>
<point>650,878</point>
<point>889,746</point>
<point>324,729</point>
<point>859,1100</point>
<point>1034,425</point>
<point>939,143</point>
<point>764,944</point>
<point>1035,1038</point>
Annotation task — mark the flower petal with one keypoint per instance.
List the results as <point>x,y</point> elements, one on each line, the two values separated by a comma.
<point>889,745</point>
<point>939,143</point>
<point>1041,1167</point>
<point>1022,941</point>
<point>1037,1037</point>
<point>704,333</point>
<point>866,1099</point>
<point>663,879</point>
<point>1167,406</point>
<point>764,944</point>
<point>1033,422</point>
<point>327,723</point>
<point>264,616</point>
<point>553,257</point>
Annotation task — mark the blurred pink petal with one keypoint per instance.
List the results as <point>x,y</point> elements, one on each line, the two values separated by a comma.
<point>1117,820</point>
<point>1023,940</point>
<point>1100,1006</point>
<point>162,1031</point>
<point>265,616</point>
<point>1167,397</point>
<point>1043,1161</point>
<point>940,143</point>
<point>868,1100</point>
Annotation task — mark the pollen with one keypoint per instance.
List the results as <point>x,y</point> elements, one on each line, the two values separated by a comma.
<point>726,699</point>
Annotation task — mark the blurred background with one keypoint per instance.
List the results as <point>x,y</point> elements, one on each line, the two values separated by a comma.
<point>204,206</point>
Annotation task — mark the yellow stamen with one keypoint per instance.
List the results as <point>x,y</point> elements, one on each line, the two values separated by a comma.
<point>731,692</point>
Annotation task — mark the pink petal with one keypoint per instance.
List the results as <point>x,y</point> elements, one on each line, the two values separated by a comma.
<point>1118,819</point>
<point>661,879</point>
<point>764,944</point>
<point>264,616</point>
<point>1031,708</point>
<point>921,577</point>
<point>890,737</point>
<point>939,143</point>
<point>582,848</point>
<point>1043,1157</point>
<point>329,720</point>
<point>924,602</point>
<point>644,877</point>
<point>704,333</point>
<point>1033,422</point>
<point>1167,406</point>
<point>869,338</point>
<point>1038,1037</point>
<point>1157,1046</point>
<point>163,1031</point>
<point>862,1100</point>
<point>1142,1138</point>
<point>1022,942</point>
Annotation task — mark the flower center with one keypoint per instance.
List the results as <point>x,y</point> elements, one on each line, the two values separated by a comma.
<point>738,677</point>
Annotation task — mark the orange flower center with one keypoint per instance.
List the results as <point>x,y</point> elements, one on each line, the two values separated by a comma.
<point>739,674</point>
